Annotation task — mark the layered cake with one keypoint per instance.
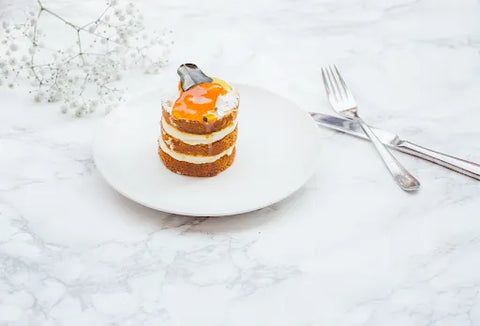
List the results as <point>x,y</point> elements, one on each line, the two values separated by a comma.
<point>199,125</point>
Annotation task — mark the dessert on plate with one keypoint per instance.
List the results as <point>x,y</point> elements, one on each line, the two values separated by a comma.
<point>199,125</point>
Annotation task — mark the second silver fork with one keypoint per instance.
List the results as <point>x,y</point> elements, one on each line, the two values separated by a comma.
<point>344,104</point>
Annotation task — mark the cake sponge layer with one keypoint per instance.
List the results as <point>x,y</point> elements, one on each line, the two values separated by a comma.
<point>214,148</point>
<point>197,170</point>
<point>196,139</point>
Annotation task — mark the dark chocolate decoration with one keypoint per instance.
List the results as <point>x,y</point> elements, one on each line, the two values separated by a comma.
<point>191,75</point>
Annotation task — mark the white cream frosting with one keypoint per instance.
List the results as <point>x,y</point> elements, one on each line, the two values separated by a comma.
<point>169,99</point>
<point>197,139</point>
<point>226,103</point>
<point>195,159</point>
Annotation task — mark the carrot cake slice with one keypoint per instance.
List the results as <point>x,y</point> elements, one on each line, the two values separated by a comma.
<point>199,126</point>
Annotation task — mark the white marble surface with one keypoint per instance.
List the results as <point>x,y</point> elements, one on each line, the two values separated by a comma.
<point>348,249</point>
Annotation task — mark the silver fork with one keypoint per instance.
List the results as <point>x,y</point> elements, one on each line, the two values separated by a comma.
<point>344,104</point>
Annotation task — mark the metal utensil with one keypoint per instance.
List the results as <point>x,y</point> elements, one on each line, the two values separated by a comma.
<point>392,140</point>
<point>344,104</point>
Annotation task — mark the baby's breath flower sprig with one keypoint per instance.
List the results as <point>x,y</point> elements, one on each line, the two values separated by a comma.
<point>82,77</point>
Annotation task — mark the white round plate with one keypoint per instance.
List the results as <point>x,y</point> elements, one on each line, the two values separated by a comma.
<point>276,153</point>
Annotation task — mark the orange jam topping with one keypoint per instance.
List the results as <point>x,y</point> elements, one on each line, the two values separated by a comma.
<point>198,102</point>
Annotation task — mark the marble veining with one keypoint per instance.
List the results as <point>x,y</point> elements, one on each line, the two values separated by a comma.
<point>349,248</point>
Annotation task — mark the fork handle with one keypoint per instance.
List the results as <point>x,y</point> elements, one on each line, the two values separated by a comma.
<point>451,162</point>
<point>402,177</point>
